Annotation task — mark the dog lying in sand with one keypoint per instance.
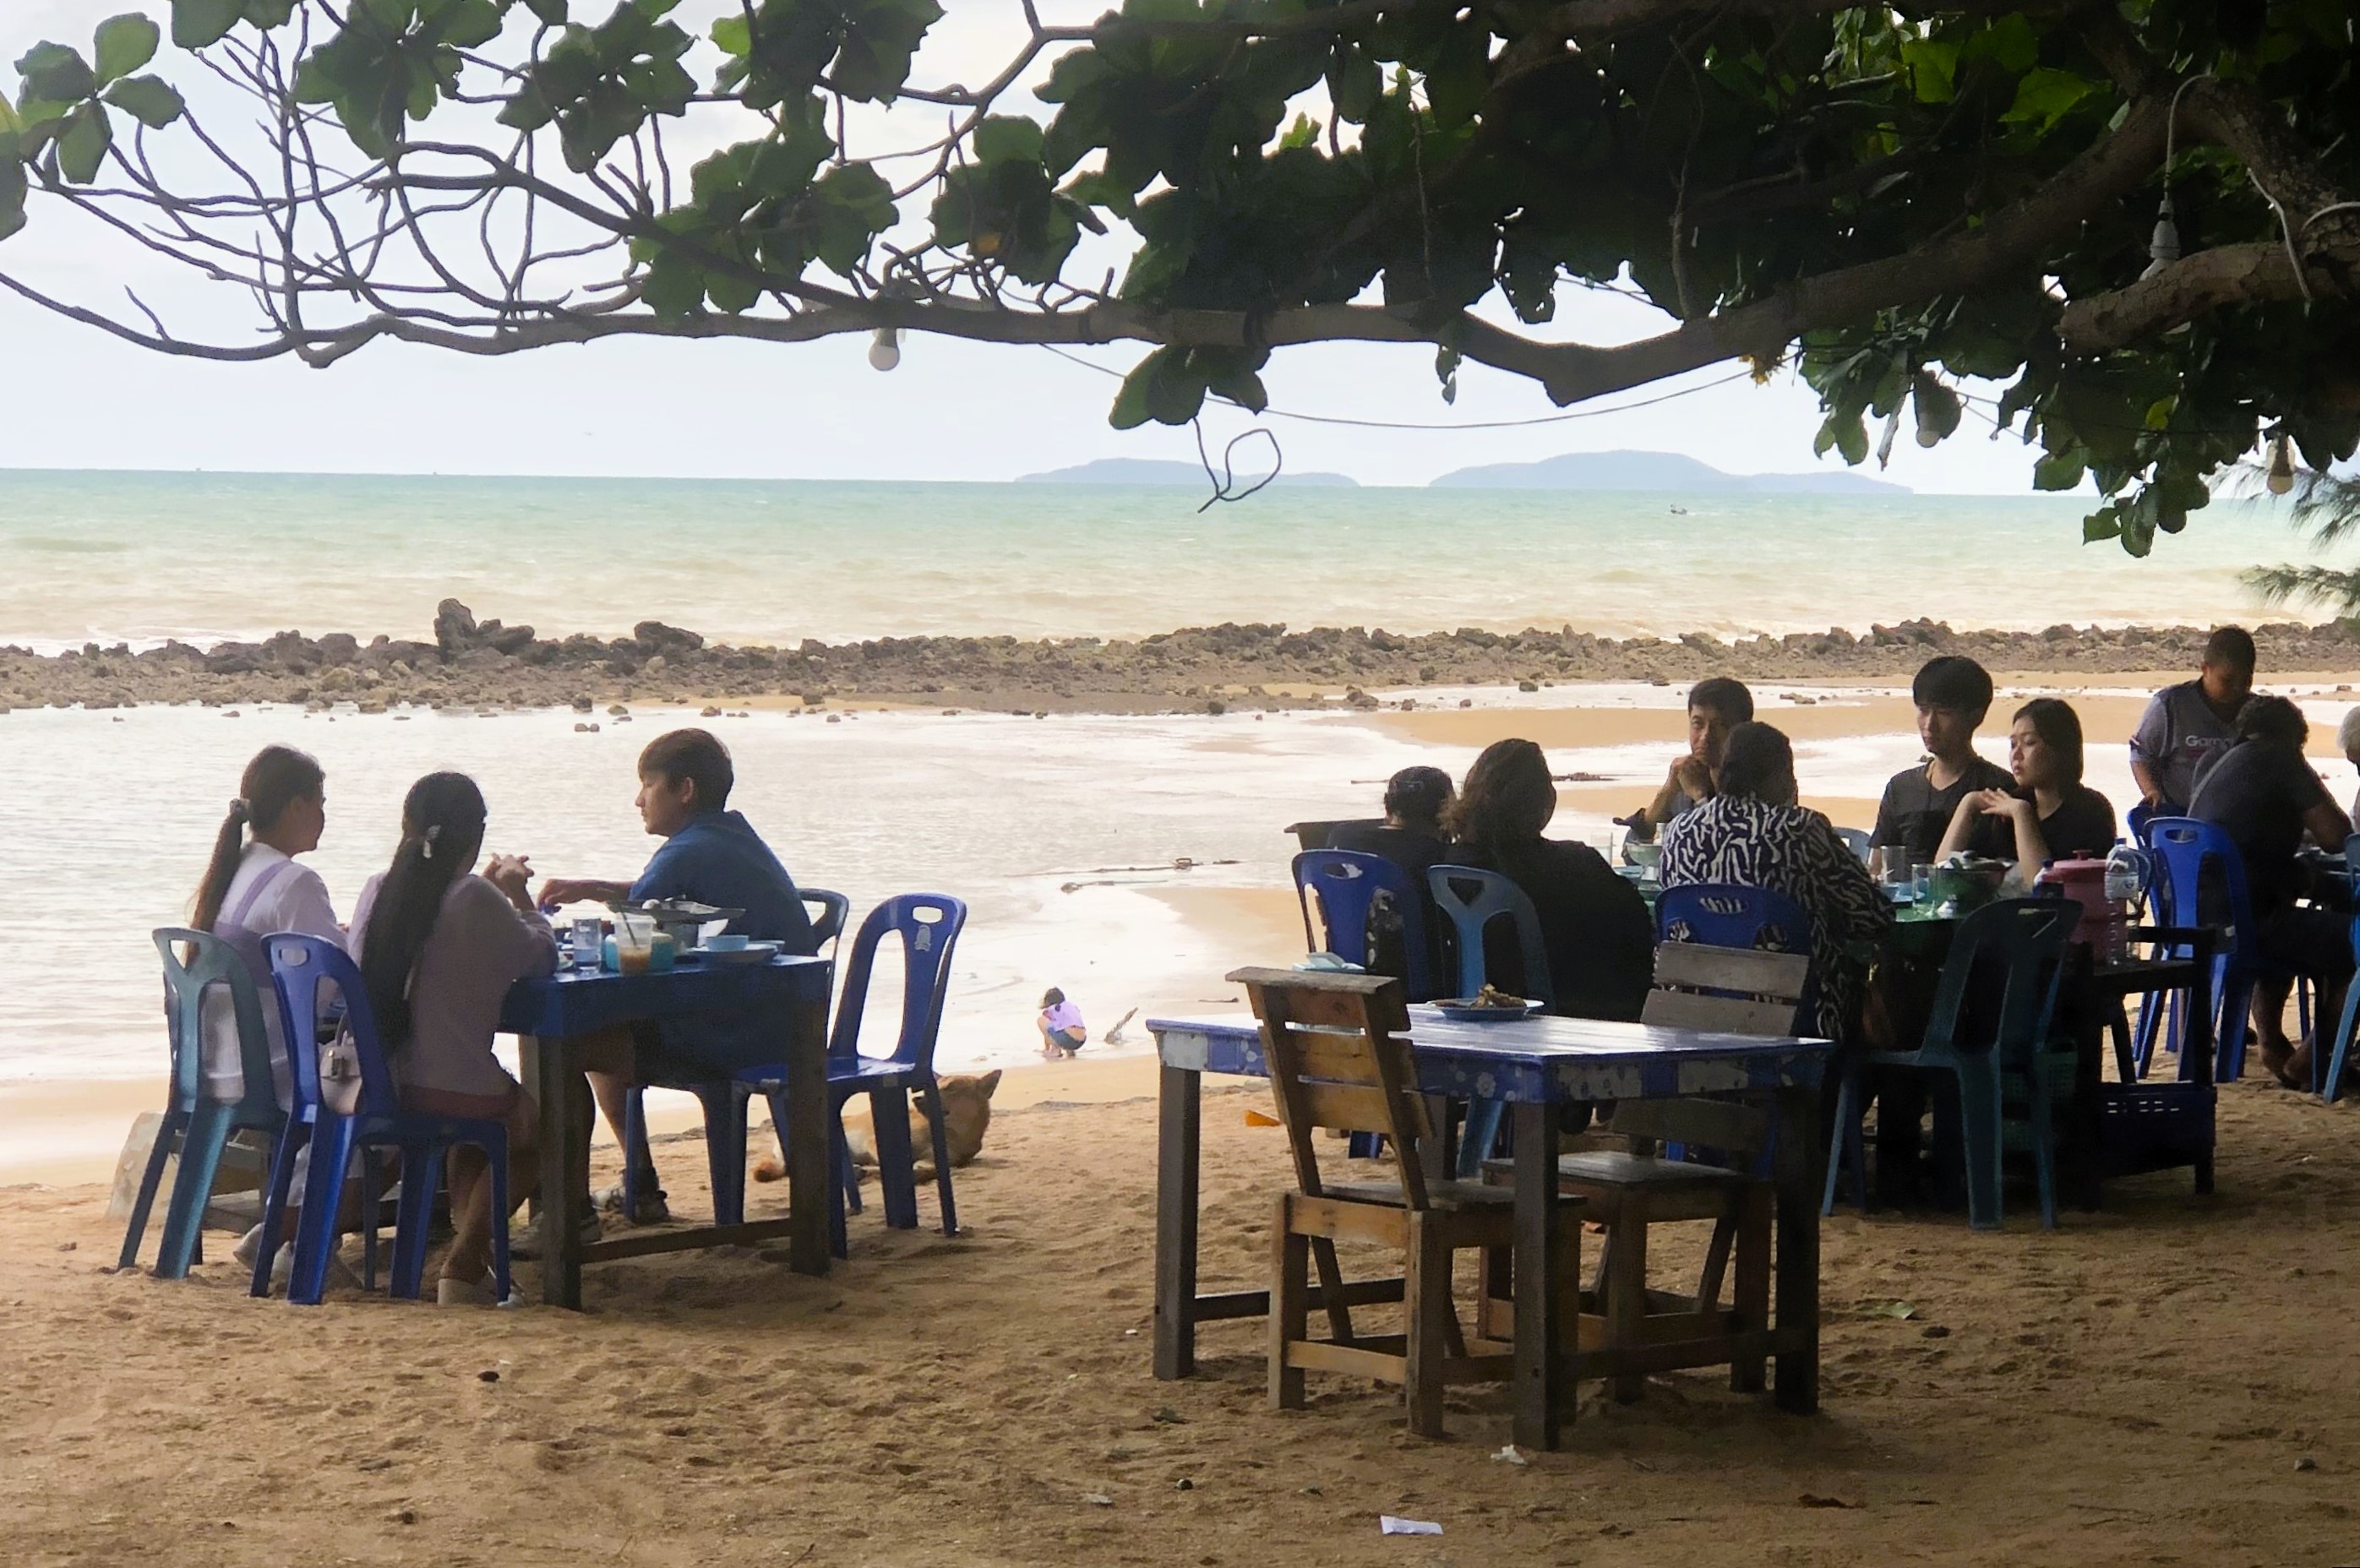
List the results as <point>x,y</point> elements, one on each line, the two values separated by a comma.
<point>966,1112</point>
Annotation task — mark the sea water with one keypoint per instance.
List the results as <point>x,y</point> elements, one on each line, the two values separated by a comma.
<point>1061,833</point>
<point>139,558</point>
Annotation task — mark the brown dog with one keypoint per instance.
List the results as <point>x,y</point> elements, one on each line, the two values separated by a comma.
<point>966,1112</point>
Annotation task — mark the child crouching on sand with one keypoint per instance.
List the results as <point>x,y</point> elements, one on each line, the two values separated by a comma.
<point>1060,1024</point>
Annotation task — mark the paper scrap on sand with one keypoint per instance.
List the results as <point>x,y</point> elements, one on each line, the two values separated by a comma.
<point>1388,1525</point>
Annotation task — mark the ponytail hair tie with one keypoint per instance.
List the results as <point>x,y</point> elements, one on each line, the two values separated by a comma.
<point>432,834</point>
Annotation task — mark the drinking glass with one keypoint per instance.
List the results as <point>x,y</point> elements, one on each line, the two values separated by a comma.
<point>589,936</point>
<point>1921,882</point>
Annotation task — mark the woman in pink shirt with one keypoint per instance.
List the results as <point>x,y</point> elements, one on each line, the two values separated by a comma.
<point>439,948</point>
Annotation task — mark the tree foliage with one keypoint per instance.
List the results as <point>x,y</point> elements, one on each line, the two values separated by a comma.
<point>1908,202</point>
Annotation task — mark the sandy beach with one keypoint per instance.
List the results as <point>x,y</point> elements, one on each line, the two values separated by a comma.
<point>2162,1382</point>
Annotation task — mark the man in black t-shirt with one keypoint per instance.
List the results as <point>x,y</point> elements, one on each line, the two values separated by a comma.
<point>1952,695</point>
<point>2262,792</point>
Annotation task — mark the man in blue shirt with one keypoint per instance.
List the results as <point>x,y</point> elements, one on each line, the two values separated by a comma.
<point>712,855</point>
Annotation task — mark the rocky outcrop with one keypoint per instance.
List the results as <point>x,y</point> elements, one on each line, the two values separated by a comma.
<point>484,663</point>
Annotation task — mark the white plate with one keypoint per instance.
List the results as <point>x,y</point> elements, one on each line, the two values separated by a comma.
<point>752,953</point>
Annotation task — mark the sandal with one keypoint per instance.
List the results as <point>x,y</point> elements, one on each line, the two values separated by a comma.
<point>653,1209</point>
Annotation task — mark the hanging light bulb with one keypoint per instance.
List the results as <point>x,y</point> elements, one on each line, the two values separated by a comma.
<point>885,349</point>
<point>2163,247</point>
<point>2280,479</point>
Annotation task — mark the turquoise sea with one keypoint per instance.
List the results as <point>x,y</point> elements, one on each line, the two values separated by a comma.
<point>142,557</point>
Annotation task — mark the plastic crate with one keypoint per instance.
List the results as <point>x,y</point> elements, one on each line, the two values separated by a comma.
<point>2156,1126</point>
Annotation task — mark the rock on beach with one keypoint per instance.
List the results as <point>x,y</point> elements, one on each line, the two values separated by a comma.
<point>1229,667</point>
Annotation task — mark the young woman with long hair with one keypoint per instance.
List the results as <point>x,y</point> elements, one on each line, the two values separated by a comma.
<point>1594,925</point>
<point>439,948</point>
<point>2049,814</point>
<point>251,887</point>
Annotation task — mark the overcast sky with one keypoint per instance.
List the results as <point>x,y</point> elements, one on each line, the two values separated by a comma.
<point>75,398</point>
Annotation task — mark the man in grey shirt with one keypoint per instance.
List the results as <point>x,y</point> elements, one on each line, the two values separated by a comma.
<point>2186,724</point>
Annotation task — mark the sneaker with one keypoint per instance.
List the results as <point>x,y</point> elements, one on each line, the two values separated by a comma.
<point>653,1210</point>
<point>249,1247</point>
<point>524,1240</point>
<point>340,1276</point>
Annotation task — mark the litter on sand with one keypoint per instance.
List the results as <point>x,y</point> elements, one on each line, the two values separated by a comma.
<point>1389,1525</point>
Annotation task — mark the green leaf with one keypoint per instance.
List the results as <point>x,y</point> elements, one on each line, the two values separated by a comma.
<point>150,100</point>
<point>1304,133</point>
<point>1932,64</point>
<point>123,44</point>
<point>2046,96</point>
<point>2100,525</point>
<point>1007,139</point>
<point>10,123</point>
<point>197,23</point>
<point>82,143</point>
<point>2009,40</point>
<point>735,35</point>
<point>2061,470</point>
<point>1164,387</point>
<point>551,13</point>
<point>13,187</point>
<point>55,74</point>
<point>1355,82</point>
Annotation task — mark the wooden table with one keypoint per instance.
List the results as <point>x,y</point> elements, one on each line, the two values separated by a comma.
<point>550,1015</point>
<point>1536,1065</point>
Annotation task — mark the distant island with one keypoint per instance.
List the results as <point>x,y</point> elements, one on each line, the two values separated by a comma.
<point>1150,471</point>
<point>1656,471</point>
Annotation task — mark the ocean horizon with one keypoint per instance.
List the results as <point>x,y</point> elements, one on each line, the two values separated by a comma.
<point>145,557</point>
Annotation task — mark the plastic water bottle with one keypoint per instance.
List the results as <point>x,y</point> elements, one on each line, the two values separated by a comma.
<point>2127,873</point>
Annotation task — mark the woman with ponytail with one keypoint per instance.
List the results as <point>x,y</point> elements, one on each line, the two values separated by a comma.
<point>253,887</point>
<point>439,948</point>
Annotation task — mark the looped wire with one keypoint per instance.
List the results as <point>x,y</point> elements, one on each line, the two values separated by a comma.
<point>1225,483</point>
<point>430,835</point>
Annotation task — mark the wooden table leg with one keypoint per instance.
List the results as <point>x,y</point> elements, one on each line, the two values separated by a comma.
<point>1541,1384</point>
<point>2199,1049</point>
<point>1179,1125</point>
<point>808,1145</point>
<point>1797,1308</point>
<point>565,1110</point>
<point>529,1069</point>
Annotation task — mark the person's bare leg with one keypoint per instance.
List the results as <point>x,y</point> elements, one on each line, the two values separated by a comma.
<point>470,1176</point>
<point>2323,1019</point>
<point>608,1059</point>
<point>2269,1023</point>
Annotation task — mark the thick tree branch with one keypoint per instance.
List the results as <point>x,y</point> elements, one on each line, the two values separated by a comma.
<point>2012,241</point>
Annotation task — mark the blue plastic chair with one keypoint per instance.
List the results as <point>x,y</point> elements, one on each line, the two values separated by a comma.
<point>1471,900</point>
<point>2026,937</point>
<point>2183,848</point>
<point>1725,914</point>
<point>1860,841</point>
<point>1345,885</point>
<point>2330,1088</point>
<point>300,966</point>
<point>201,1125</point>
<point>928,925</point>
<point>723,1100</point>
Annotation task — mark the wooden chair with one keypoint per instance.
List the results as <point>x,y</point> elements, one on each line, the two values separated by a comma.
<point>1338,1060</point>
<point>1632,1329</point>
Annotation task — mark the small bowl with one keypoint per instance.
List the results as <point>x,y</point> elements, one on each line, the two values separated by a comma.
<point>727,942</point>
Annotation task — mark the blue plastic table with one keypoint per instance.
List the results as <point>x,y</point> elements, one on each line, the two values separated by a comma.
<point>1535,1065</point>
<point>552,1014</point>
